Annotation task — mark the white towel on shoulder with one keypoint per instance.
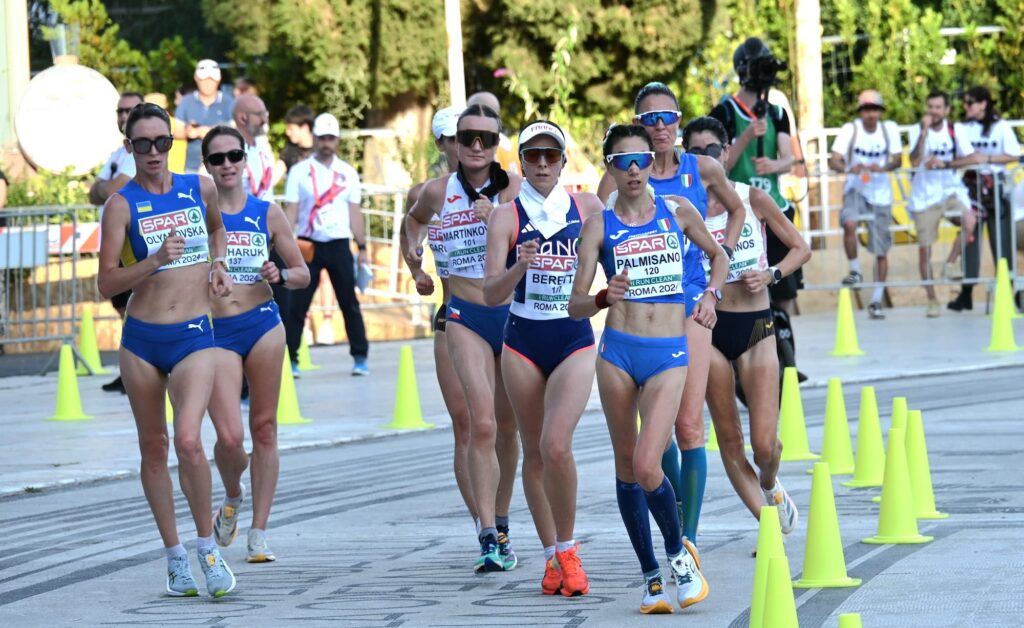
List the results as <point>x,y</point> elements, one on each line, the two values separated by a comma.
<point>547,214</point>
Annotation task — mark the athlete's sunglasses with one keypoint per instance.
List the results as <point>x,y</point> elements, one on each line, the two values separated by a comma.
<point>622,161</point>
<point>488,139</point>
<point>711,150</point>
<point>143,145</point>
<point>533,155</point>
<point>234,156</point>
<point>651,118</point>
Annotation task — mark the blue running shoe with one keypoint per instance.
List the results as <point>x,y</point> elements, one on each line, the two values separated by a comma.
<point>219,579</point>
<point>361,367</point>
<point>490,559</point>
<point>180,582</point>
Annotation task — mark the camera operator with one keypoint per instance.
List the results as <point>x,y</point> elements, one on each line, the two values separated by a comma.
<point>761,146</point>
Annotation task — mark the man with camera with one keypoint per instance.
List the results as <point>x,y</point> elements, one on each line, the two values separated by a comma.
<point>761,144</point>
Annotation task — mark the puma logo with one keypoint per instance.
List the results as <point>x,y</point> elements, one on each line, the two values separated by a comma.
<point>678,354</point>
<point>619,234</point>
<point>198,326</point>
<point>453,198</point>
<point>188,196</point>
<point>253,221</point>
<point>266,308</point>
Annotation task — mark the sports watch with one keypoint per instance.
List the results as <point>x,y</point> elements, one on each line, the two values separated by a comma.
<point>715,292</point>
<point>284,276</point>
<point>776,274</point>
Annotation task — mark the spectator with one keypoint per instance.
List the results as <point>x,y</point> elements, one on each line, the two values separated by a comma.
<point>867,150</point>
<point>120,166</point>
<point>245,86</point>
<point>939,147</point>
<point>250,117</point>
<point>298,128</point>
<point>989,187</point>
<point>200,111</point>
<point>322,197</point>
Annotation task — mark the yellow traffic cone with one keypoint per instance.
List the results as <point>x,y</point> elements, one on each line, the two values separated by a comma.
<point>288,412</point>
<point>168,409</point>
<point>869,468</point>
<point>305,359</point>
<point>846,328</point>
<point>920,469</point>
<point>769,546</point>
<point>408,415</point>
<point>779,604</point>
<point>896,521</point>
<point>792,427</point>
<point>850,620</point>
<point>1002,337</point>
<point>69,402</point>
<point>899,419</point>
<point>87,347</point>
<point>824,562</point>
<point>836,448</point>
<point>711,444</point>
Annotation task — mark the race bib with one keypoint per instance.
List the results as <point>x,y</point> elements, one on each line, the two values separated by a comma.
<point>749,253</point>
<point>655,264</point>
<point>247,251</point>
<point>549,283</point>
<point>188,223</point>
<point>435,240</point>
<point>465,240</point>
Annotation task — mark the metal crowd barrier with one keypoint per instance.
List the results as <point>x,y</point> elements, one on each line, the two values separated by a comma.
<point>38,277</point>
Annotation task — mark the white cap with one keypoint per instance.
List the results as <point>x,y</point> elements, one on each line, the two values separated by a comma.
<point>208,68</point>
<point>326,124</point>
<point>445,122</point>
<point>541,127</point>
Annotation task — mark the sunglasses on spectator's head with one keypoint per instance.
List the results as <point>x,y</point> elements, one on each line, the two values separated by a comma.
<point>234,156</point>
<point>622,161</point>
<point>488,139</point>
<point>533,155</point>
<point>711,150</point>
<point>143,145</point>
<point>651,118</point>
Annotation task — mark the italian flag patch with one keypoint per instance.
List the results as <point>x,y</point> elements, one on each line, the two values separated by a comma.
<point>687,180</point>
<point>664,224</point>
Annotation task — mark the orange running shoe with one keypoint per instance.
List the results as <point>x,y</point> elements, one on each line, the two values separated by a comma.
<point>574,579</point>
<point>552,580</point>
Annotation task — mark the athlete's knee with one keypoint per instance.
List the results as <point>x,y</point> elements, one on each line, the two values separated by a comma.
<point>154,449</point>
<point>689,434</point>
<point>647,469</point>
<point>766,450</point>
<point>188,447</point>
<point>483,432</point>
<point>557,452</point>
<point>264,431</point>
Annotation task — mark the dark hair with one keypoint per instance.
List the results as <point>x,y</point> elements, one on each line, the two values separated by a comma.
<point>702,125</point>
<point>482,111</point>
<point>246,81</point>
<point>938,93</point>
<point>300,114</point>
<point>217,131</point>
<point>133,95</point>
<point>186,88</point>
<point>654,88</point>
<point>980,93</point>
<point>145,110</point>
<point>618,132</point>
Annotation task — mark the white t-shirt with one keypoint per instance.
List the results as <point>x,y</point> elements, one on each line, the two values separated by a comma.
<point>934,186</point>
<point>869,148</point>
<point>258,173</point>
<point>1001,140</point>
<point>310,179</point>
<point>120,162</point>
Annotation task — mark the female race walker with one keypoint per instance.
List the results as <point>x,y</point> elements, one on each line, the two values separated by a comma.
<point>464,202</point>
<point>165,227</point>
<point>640,243</point>
<point>548,358</point>
<point>249,337</point>
<point>444,123</point>
<point>745,334</point>
<point>692,177</point>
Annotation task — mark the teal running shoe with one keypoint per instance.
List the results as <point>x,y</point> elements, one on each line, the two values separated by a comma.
<point>219,579</point>
<point>490,559</point>
<point>180,582</point>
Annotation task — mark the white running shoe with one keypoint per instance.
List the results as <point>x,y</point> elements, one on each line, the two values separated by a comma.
<point>656,601</point>
<point>225,522</point>
<point>691,587</point>
<point>258,552</point>
<point>788,514</point>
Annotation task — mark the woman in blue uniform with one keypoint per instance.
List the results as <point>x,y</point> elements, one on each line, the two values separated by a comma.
<point>249,337</point>
<point>165,228</point>
<point>531,256</point>
<point>641,241</point>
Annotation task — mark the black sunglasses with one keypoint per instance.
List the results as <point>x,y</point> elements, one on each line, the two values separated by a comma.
<point>143,145</point>
<point>234,156</point>
<point>488,139</point>
<point>711,150</point>
<point>533,155</point>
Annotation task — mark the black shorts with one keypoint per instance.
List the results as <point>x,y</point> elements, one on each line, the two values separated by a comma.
<point>440,318</point>
<point>735,332</point>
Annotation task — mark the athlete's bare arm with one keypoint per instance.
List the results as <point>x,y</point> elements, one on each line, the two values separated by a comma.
<point>712,175</point>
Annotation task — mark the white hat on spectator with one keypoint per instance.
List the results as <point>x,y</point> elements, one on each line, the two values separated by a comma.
<point>208,69</point>
<point>870,98</point>
<point>326,124</point>
<point>445,122</point>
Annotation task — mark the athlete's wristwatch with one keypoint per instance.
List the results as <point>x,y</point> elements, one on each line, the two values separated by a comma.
<point>223,261</point>
<point>715,292</point>
<point>284,276</point>
<point>776,274</point>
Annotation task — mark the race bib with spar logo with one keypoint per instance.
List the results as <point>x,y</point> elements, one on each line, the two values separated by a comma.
<point>247,251</point>
<point>549,279</point>
<point>188,223</point>
<point>465,240</point>
<point>655,264</point>
<point>435,240</point>
<point>749,254</point>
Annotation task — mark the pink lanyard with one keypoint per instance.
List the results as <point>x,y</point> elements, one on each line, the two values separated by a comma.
<point>321,201</point>
<point>268,174</point>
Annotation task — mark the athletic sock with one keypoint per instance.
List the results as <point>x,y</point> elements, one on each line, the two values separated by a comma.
<point>876,295</point>
<point>693,476</point>
<point>176,551</point>
<point>261,533</point>
<point>488,532</point>
<point>234,502</point>
<point>549,552</point>
<point>633,509</point>
<point>205,543</point>
<point>565,546</point>
<point>670,465</point>
<point>662,504</point>
<point>855,265</point>
<point>476,523</point>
